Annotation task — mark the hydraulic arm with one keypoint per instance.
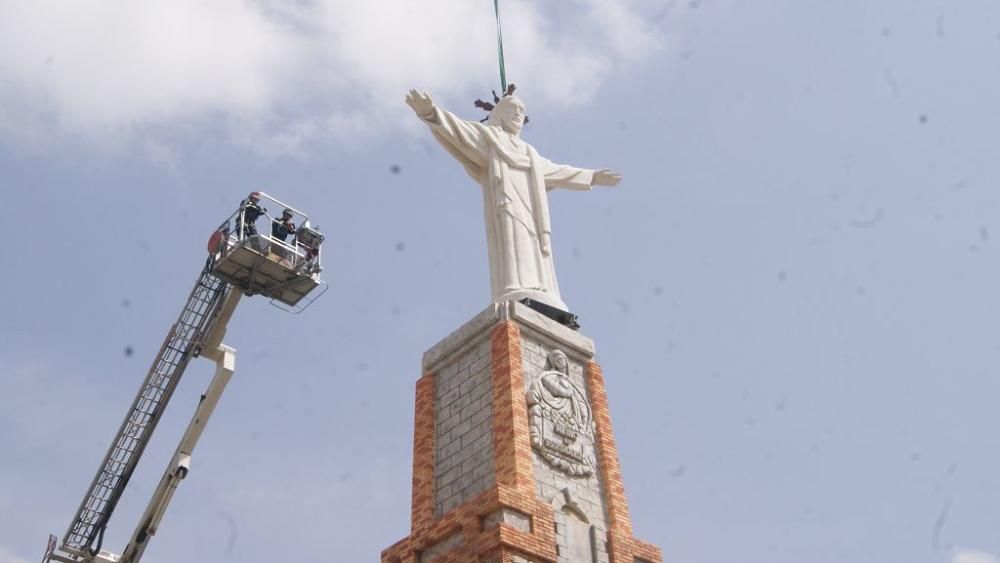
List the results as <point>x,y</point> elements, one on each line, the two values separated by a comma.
<point>85,533</point>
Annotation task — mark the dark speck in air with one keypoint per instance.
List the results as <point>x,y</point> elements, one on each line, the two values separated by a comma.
<point>869,222</point>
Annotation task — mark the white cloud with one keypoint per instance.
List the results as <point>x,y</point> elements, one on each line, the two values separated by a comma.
<point>280,74</point>
<point>973,556</point>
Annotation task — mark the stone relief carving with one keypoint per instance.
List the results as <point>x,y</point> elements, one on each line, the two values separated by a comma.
<point>562,424</point>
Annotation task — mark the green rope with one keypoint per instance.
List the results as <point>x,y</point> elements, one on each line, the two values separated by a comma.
<point>503,73</point>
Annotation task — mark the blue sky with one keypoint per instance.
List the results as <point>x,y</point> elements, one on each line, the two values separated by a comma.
<point>793,292</point>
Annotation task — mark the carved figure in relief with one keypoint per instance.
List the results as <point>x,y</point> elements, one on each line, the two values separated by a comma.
<point>514,179</point>
<point>561,421</point>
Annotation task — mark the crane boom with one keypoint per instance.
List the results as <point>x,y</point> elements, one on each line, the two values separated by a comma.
<point>183,341</point>
<point>180,463</point>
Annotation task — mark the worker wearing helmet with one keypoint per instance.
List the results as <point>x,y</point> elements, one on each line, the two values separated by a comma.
<point>281,228</point>
<point>250,211</point>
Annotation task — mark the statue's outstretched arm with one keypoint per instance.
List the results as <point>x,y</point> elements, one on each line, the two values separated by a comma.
<point>573,178</point>
<point>567,177</point>
<point>465,140</point>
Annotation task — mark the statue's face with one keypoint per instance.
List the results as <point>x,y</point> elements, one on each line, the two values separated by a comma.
<point>511,112</point>
<point>559,363</point>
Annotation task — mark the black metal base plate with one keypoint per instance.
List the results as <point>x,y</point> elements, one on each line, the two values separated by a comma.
<point>564,318</point>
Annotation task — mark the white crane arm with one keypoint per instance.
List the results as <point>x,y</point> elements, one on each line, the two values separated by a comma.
<point>180,463</point>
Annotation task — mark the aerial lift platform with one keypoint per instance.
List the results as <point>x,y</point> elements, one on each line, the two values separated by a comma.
<point>240,262</point>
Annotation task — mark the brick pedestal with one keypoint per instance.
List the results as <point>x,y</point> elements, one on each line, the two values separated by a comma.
<point>499,480</point>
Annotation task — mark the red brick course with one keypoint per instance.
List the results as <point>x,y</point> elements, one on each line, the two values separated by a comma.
<point>511,442</point>
<point>537,545</point>
<point>622,546</point>
<point>422,511</point>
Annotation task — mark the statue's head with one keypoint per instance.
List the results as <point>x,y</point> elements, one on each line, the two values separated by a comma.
<point>508,113</point>
<point>558,361</point>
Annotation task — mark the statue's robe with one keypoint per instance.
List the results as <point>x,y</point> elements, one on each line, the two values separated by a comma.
<point>554,390</point>
<point>515,179</point>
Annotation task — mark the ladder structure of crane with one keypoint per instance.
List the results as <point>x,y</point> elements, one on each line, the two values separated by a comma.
<point>290,272</point>
<point>147,408</point>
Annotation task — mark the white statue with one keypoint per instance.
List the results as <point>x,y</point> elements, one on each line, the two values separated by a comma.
<point>515,179</point>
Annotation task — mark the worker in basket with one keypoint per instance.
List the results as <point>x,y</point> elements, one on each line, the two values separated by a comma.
<point>250,211</point>
<point>280,229</point>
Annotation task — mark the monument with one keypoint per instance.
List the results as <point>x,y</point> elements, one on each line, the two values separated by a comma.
<point>514,179</point>
<point>514,458</point>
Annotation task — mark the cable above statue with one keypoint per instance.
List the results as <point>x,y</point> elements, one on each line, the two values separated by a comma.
<point>515,179</point>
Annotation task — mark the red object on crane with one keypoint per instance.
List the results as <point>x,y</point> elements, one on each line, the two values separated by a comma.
<point>215,241</point>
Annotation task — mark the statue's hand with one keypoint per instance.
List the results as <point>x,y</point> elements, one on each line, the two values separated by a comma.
<point>545,242</point>
<point>605,177</point>
<point>421,103</point>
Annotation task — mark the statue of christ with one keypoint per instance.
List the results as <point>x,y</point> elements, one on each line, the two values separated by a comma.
<point>514,179</point>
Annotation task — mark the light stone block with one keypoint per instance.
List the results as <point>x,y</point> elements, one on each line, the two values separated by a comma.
<point>439,549</point>
<point>517,520</point>
<point>463,406</point>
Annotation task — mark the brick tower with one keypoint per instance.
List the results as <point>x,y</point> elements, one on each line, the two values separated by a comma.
<point>514,460</point>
